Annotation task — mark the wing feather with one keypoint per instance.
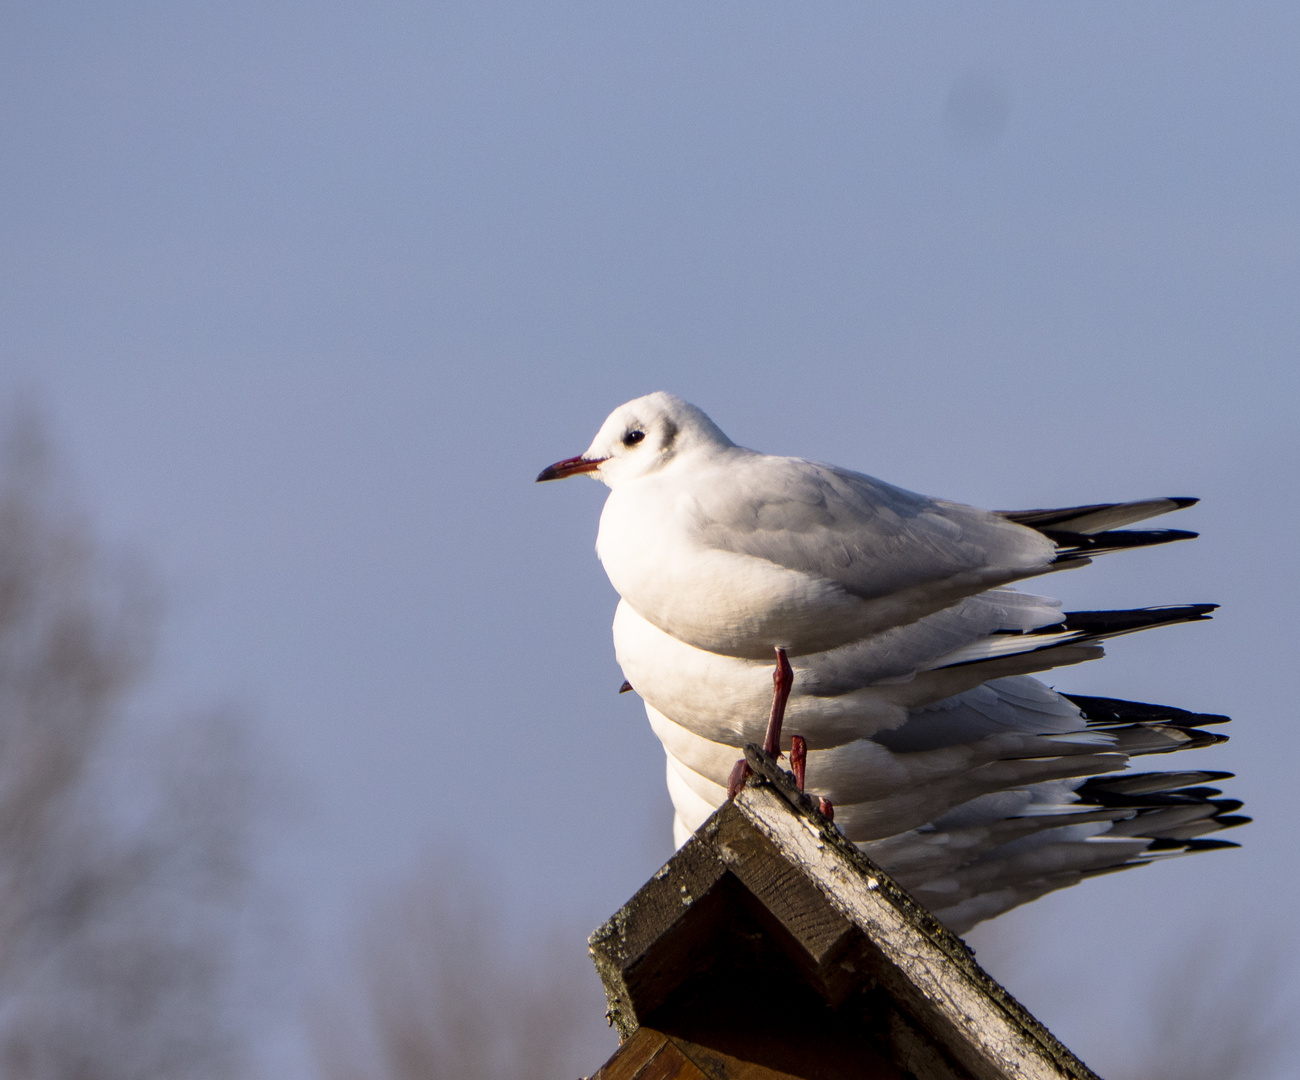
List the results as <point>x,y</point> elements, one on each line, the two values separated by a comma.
<point>869,537</point>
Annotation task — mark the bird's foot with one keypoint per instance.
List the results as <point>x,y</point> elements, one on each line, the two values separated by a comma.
<point>740,772</point>
<point>798,758</point>
<point>826,808</point>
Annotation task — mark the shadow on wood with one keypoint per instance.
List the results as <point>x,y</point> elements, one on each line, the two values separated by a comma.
<point>770,947</point>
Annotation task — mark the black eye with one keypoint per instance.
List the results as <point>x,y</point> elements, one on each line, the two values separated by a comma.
<point>633,437</point>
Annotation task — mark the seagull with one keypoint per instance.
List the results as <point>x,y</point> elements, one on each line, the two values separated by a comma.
<point>903,691</point>
<point>741,553</point>
<point>870,686</point>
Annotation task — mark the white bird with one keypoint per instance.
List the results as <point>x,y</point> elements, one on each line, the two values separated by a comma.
<point>740,553</point>
<point>1006,734</point>
<point>903,661</point>
<point>869,686</point>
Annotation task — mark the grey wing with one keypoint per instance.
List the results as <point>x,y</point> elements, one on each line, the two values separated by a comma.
<point>1001,850</point>
<point>902,651</point>
<point>1018,705</point>
<point>869,537</point>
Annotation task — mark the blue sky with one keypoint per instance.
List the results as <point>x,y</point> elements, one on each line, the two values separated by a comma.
<point>312,291</point>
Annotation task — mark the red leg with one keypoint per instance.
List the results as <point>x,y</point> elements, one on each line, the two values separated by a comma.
<point>798,758</point>
<point>740,772</point>
<point>782,681</point>
<point>826,808</point>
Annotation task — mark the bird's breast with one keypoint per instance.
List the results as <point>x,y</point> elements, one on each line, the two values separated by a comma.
<point>716,600</point>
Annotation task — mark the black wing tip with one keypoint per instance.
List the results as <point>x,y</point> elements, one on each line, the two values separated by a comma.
<point>1042,519</point>
<point>1165,844</point>
<point>1158,609</point>
<point>1072,545</point>
<point>1210,845</point>
<point>1199,720</point>
<point>1155,800</point>
<point>1178,782</point>
<point>1107,711</point>
<point>1121,619</point>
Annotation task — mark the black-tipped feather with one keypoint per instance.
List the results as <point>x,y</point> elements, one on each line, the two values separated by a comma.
<point>1080,629</point>
<point>1085,545</point>
<point>1154,782</point>
<point>1093,797</point>
<point>1110,623</point>
<point>1105,711</point>
<point>1194,739</point>
<point>1097,517</point>
<point>1162,845</point>
<point>1095,792</point>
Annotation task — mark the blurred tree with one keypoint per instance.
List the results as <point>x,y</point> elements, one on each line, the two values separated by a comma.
<point>120,894</point>
<point>1213,1009</point>
<point>448,990</point>
<point>1213,1013</point>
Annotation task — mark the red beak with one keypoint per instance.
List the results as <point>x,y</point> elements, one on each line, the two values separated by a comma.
<point>569,467</point>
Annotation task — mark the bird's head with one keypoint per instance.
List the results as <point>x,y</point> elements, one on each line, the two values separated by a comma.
<point>640,438</point>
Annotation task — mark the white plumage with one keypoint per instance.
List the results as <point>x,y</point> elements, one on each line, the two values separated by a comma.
<point>974,784</point>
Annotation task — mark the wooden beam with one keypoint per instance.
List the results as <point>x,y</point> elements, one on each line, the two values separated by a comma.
<point>770,942</point>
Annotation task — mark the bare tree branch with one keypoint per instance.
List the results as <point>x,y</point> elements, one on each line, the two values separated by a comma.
<point>1213,1009</point>
<point>1214,1013</point>
<point>119,896</point>
<point>448,992</point>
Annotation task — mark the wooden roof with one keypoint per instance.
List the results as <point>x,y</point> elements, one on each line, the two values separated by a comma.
<point>770,947</point>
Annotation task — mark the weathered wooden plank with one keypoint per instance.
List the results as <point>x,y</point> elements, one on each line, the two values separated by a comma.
<point>782,888</point>
<point>716,1064</point>
<point>652,1055</point>
<point>670,909</point>
<point>632,1057</point>
<point>671,1064</point>
<point>928,969</point>
<point>770,947</point>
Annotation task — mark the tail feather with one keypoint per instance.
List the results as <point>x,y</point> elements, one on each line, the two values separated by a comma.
<point>1127,621</point>
<point>1137,739</point>
<point>1187,846</point>
<point>1103,711</point>
<point>1073,546</point>
<point>1154,782</point>
<point>1077,628</point>
<point>1099,517</point>
<point>1014,865</point>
